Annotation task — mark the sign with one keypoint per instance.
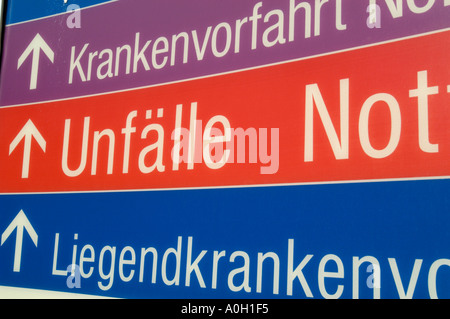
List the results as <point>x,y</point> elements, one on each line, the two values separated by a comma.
<point>272,149</point>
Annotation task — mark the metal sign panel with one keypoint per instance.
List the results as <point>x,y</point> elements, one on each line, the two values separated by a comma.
<point>272,149</point>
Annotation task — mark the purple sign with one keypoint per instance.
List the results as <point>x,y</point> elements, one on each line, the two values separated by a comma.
<point>134,43</point>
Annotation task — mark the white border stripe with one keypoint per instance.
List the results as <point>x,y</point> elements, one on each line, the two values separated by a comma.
<point>27,293</point>
<point>356,181</point>
<point>233,71</point>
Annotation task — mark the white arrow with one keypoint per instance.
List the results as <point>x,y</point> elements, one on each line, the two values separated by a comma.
<point>35,46</point>
<point>27,132</point>
<point>20,222</point>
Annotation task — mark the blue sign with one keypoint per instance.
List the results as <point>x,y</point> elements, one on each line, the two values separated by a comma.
<point>26,10</point>
<point>358,240</point>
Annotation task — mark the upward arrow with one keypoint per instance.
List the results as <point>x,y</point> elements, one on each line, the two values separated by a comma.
<point>27,132</point>
<point>35,47</point>
<point>20,222</point>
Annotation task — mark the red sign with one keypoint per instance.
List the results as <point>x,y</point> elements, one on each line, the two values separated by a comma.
<point>378,112</point>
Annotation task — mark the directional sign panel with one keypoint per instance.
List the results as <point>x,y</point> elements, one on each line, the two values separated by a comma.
<point>19,223</point>
<point>272,149</point>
